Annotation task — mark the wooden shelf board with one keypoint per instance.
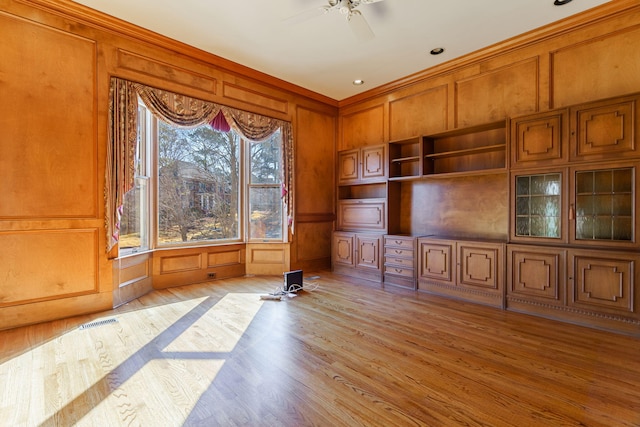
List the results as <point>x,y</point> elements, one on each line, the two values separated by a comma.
<point>468,151</point>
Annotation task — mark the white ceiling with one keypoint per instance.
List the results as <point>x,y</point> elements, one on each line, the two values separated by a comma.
<point>322,54</point>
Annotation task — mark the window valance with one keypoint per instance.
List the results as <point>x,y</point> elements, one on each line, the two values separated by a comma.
<point>178,110</point>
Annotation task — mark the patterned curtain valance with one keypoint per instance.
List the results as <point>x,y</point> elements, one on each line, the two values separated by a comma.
<point>183,111</point>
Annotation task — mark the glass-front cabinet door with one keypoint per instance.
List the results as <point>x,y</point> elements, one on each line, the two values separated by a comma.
<point>539,206</point>
<point>603,206</point>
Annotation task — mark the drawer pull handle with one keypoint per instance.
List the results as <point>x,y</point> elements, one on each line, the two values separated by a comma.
<point>398,270</point>
<point>398,251</point>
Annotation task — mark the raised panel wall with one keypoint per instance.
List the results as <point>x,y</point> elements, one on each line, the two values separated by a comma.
<point>48,147</point>
<point>596,68</point>
<point>421,113</point>
<point>497,94</point>
<point>42,265</point>
<point>362,128</point>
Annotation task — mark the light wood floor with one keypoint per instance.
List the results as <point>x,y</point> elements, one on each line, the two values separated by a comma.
<point>346,354</point>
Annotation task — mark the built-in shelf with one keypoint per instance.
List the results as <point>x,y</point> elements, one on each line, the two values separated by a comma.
<point>405,159</point>
<point>474,149</point>
<point>466,152</point>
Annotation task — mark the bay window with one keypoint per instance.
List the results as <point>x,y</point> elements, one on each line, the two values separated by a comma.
<point>206,186</point>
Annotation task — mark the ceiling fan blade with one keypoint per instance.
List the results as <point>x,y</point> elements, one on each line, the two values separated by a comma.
<point>369,1</point>
<point>359,26</point>
<point>306,15</point>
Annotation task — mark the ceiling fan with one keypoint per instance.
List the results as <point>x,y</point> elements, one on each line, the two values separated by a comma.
<point>355,18</point>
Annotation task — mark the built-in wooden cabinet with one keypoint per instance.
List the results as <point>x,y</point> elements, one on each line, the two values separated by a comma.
<point>362,214</point>
<point>361,218</point>
<point>605,130</point>
<point>586,205</point>
<point>399,267</point>
<point>536,275</point>
<point>576,221</point>
<point>366,164</point>
<point>469,270</point>
<point>604,204</point>
<point>592,287</point>
<point>357,255</point>
<point>570,179</point>
<point>540,139</point>
<point>539,206</point>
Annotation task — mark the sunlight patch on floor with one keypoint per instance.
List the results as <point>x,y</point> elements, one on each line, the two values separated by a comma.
<point>222,326</point>
<point>163,390</point>
<point>162,356</point>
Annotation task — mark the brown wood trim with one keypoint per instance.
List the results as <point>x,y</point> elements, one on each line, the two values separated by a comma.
<point>315,217</point>
<point>242,94</point>
<point>136,62</point>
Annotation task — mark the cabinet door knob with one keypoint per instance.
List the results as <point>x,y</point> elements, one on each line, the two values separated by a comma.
<point>572,212</point>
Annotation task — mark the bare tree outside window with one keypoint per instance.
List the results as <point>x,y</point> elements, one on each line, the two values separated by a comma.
<point>265,201</point>
<point>198,184</point>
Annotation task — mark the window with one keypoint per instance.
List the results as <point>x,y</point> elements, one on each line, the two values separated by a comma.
<point>198,187</point>
<point>265,189</point>
<point>134,223</point>
<point>198,184</point>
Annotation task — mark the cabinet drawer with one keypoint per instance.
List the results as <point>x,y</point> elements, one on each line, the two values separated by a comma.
<point>399,242</point>
<point>399,262</point>
<point>396,252</point>
<point>399,271</point>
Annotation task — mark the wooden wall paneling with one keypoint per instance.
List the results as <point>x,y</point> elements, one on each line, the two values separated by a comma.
<point>419,113</point>
<point>155,68</point>
<point>312,240</point>
<point>179,266</point>
<point>43,265</point>
<point>132,277</point>
<point>316,133</point>
<point>497,94</point>
<point>315,165</point>
<point>253,97</point>
<point>472,206</point>
<point>597,68</point>
<point>268,258</point>
<point>361,128</point>
<point>48,154</point>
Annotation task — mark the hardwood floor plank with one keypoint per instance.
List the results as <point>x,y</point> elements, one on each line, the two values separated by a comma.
<point>347,354</point>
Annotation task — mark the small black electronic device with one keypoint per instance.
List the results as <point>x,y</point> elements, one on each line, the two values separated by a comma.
<point>293,281</point>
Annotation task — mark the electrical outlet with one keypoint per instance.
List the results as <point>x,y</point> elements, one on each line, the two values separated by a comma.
<point>211,275</point>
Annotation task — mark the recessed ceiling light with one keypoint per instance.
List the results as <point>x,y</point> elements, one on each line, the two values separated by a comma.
<point>437,51</point>
<point>561,2</point>
<point>358,82</point>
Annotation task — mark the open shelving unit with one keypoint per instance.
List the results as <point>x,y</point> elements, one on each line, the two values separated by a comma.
<point>476,149</point>
<point>405,159</point>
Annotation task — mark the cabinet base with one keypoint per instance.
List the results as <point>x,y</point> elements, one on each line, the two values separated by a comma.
<point>576,316</point>
<point>461,293</point>
<point>374,276</point>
